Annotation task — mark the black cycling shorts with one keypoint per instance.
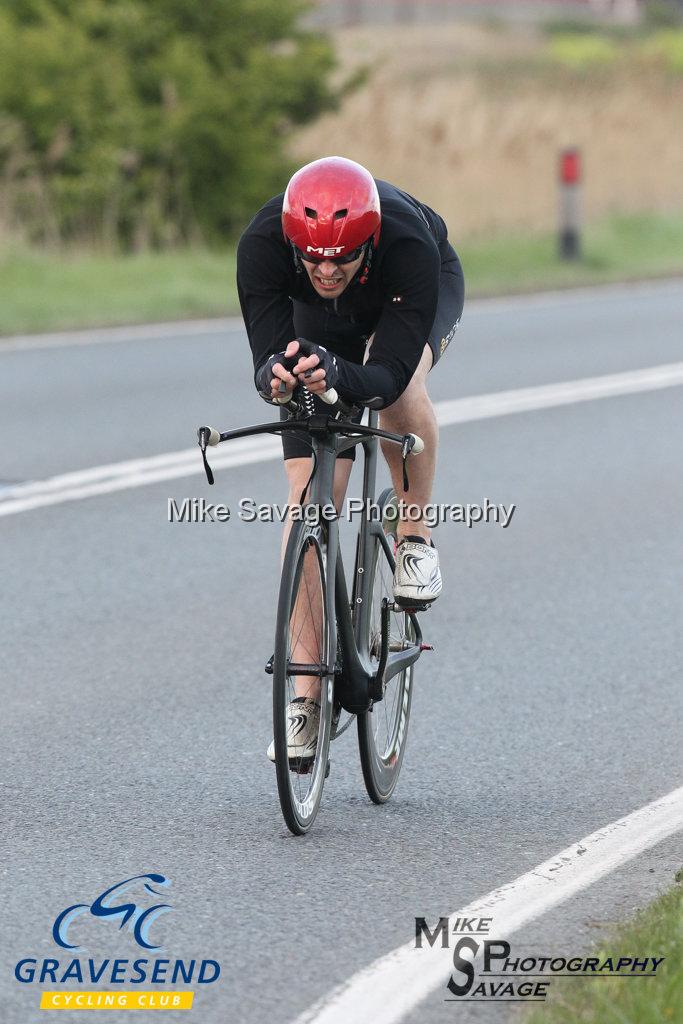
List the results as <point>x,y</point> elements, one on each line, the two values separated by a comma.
<point>340,335</point>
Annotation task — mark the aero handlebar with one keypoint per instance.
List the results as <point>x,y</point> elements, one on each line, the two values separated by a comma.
<point>411,444</point>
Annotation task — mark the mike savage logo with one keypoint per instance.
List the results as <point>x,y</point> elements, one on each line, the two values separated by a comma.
<point>486,970</point>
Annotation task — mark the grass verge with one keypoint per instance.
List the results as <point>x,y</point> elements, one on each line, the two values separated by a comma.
<point>45,291</point>
<point>621,248</point>
<point>50,291</point>
<point>655,931</point>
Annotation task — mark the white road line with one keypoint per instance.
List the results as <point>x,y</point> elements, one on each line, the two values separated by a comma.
<point>222,325</point>
<point>110,335</point>
<point>120,476</point>
<point>133,467</point>
<point>49,492</point>
<point>388,989</point>
<point>546,396</point>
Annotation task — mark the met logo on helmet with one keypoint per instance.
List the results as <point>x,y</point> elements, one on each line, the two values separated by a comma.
<point>331,250</point>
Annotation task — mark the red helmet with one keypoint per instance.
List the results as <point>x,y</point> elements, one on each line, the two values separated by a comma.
<point>331,207</point>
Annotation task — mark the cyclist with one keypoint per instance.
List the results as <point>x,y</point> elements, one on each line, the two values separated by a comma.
<point>365,273</point>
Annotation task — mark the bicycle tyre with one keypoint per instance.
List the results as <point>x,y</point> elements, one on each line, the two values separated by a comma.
<point>382,731</point>
<point>302,591</point>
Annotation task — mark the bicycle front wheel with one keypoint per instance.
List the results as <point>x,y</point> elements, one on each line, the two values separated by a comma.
<point>303,669</point>
<point>382,730</point>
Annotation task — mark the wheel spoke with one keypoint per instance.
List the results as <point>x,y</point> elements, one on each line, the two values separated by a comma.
<point>303,629</point>
<point>382,731</point>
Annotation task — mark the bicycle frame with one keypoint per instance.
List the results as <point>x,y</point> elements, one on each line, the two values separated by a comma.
<point>359,684</point>
<point>353,617</point>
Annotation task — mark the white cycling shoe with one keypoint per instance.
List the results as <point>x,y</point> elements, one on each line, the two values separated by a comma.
<point>417,577</point>
<point>302,730</point>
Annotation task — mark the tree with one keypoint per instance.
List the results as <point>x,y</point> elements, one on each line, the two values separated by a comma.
<point>151,121</point>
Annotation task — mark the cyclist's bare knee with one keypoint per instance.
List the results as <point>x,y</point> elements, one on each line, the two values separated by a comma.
<point>415,395</point>
<point>342,472</point>
<point>298,474</point>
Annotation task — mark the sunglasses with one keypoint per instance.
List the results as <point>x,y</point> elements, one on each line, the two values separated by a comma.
<point>307,257</point>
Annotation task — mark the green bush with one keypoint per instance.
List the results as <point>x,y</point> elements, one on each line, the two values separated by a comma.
<point>666,47</point>
<point>150,122</point>
<point>663,14</point>
<point>582,52</point>
<point>576,25</point>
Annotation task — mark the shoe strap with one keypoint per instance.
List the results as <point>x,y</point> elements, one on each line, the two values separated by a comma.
<point>414,539</point>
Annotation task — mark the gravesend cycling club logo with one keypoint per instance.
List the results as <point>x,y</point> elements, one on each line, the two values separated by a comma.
<point>486,970</point>
<point>139,919</point>
<point>133,907</point>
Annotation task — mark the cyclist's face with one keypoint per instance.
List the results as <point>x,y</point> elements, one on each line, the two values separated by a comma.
<point>329,278</point>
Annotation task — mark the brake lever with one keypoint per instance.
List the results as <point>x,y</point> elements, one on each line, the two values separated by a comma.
<point>406,448</point>
<point>207,436</point>
<point>412,443</point>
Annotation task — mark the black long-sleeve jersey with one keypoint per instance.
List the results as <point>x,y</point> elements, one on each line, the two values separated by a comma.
<point>398,300</point>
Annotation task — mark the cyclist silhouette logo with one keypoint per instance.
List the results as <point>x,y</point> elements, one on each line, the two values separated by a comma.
<point>138,918</point>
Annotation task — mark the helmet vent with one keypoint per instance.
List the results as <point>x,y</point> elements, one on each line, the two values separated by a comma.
<point>310,213</point>
<point>340,213</point>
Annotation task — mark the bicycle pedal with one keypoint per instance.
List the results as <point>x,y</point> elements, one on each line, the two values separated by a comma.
<point>414,606</point>
<point>305,768</point>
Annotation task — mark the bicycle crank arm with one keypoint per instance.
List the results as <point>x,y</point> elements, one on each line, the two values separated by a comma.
<point>296,668</point>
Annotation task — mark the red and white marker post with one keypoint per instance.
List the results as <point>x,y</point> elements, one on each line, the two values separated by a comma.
<point>570,209</point>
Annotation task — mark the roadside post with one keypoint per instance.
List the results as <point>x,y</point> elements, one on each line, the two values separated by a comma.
<point>570,212</point>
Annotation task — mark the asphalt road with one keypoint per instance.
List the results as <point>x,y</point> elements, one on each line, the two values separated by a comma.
<point>135,713</point>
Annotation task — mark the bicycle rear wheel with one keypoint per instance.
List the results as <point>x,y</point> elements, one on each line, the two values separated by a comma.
<point>302,667</point>
<point>382,730</point>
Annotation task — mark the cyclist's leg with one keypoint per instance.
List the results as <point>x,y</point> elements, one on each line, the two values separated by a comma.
<point>413,410</point>
<point>308,611</point>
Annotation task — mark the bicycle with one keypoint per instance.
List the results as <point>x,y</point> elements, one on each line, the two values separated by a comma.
<point>359,653</point>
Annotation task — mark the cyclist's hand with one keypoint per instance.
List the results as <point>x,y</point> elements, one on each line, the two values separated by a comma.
<point>272,373</point>
<point>318,371</point>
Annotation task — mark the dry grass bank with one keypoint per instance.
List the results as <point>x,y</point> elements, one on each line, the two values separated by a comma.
<point>471,120</point>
